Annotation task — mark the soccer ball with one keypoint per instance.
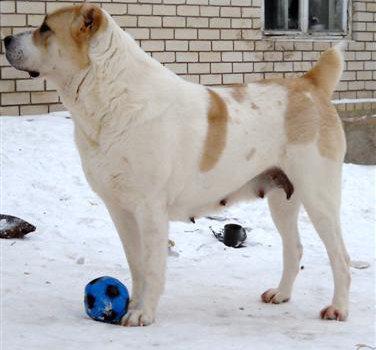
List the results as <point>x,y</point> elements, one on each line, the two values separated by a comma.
<point>106,299</point>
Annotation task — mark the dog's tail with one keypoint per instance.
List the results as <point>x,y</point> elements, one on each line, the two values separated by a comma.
<point>327,72</point>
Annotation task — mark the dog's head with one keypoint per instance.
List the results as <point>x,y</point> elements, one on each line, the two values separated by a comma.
<point>60,45</point>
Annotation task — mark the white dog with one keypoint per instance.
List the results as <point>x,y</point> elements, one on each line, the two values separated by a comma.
<point>158,148</point>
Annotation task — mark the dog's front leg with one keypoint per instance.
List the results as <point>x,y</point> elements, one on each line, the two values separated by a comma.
<point>153,222</point>
<point>131,238</point>
<point>144,235</point>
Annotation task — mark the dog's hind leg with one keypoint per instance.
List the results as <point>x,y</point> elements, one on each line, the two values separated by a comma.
<point>285,216</point>
<point>322,203</point>
<point>318,181</point>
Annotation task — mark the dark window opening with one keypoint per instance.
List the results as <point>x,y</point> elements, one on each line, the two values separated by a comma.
<point>281,14</point>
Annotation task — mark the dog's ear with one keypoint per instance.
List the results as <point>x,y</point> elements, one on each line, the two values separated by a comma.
<point>92,17</point>
<point>89,20</point>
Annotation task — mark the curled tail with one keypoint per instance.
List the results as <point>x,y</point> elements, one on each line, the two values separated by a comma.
<point>327,72</point>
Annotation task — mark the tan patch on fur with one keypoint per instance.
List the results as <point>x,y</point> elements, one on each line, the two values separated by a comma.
<point>72,27</point>
<point>239,93</point>
<point>254,106</point>
<point>217,131</point>
<point>250,154</point>
<point>324,76</point>
<point>302,117</point>
<point>332,143</point>
<point>310,115</point>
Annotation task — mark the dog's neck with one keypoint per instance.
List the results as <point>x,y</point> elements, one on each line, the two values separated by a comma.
<point>121,75</point>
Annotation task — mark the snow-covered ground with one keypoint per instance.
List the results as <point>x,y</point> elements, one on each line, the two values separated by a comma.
<point>212,298</point>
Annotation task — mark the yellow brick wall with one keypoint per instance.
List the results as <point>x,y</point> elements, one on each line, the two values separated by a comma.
<point>205,41</point>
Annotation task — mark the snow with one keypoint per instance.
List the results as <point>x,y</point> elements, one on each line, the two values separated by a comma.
<point>212,297</point>
<point>354,101</point>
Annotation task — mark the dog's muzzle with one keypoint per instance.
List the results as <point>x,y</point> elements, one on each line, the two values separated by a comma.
<point>15,55</point>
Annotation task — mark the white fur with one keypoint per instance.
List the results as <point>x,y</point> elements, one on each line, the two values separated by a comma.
<point>140,131</point>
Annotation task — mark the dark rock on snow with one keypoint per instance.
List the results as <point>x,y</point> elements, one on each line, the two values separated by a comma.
<point>13,227</point>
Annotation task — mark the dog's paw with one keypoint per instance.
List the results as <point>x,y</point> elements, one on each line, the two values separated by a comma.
<point>333,313</point>
<point>137,318</point>
<point>274,296</point>
<point>133,304</point>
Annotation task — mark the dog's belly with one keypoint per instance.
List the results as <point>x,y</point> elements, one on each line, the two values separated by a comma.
<point>207,193</point>
<point>202,192</point>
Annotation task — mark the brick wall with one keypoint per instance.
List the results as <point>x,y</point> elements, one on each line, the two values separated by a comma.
<point>207,41</point>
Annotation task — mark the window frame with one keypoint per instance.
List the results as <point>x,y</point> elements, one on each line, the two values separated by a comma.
<point>303,33</point>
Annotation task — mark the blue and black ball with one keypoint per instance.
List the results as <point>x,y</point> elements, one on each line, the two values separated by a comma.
<point>106,299</point>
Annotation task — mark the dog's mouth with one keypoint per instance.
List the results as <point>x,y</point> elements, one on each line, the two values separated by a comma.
<point>33,73</point>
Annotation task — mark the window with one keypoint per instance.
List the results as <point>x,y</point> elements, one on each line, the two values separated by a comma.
<point>305,17</point>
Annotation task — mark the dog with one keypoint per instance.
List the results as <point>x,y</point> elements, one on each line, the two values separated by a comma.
<point>157,148</point>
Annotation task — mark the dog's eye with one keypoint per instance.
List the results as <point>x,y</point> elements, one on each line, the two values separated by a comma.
<point>44,28</point>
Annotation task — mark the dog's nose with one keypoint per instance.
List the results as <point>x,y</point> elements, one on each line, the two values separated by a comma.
<point>7,40</point>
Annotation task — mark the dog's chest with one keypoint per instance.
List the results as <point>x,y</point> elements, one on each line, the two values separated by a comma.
<point>125,172</point>
<point>107,173</point>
